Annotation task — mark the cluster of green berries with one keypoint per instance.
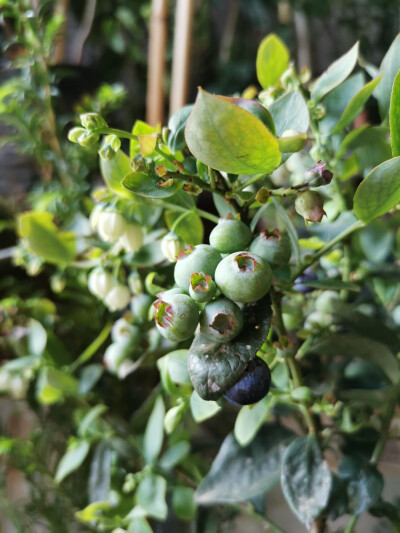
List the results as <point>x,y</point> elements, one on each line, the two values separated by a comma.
<point>214,282</point>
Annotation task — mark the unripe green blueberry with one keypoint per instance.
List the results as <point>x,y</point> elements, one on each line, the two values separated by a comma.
<point>292,317</point>
<point>115,355</point>
<point>273,246</point>
<point>252,385</point>
<point>316,320</point>
<point>100,282</point>
<point>118,298</point>
<point>222,320</point>
<point>202,287</point>
<point>176,317</point>
<point>243,277</point>
<point>122,331</point>
<point>171,245</point>
<point>132,238</point>
<point>135,282</point>
<point>230,235</point>
<point>200,258</point>
<point>325,301</point>
<point>140,305</point>
<point>310,205</point>
<point>111,226</point>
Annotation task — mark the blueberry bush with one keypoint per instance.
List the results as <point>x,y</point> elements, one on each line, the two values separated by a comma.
<point>187,378</point>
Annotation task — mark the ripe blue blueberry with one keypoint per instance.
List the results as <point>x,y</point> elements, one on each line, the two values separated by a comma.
<point>308,275</point>
<point>253,385</point>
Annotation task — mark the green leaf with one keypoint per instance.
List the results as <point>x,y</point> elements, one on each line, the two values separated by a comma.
<point>238,473</point>
<point>364,483</point>
<point>336,73</point>
<point>148,255</point>
<point>183,503</point>
<point>213,367</point>
<point>290,112</point>
<point>394,117</point>
<point>44,238</point>
<point>113,172</point>
<point>139,524</point>
<point>376,241</point>
<point>92,512</point>
<point>37,337</point>
<point>150,496</point>
<point>176,125</point>
<point>72,459</point>
<point>337,100</point>
<point>147,185</point>
<point>53,384</point>
<point>306,479</point>
<point>228,138</point>
<point>91,416</point>
<point>89,376</point>
<point>379,192</point>
<point>389,68</point>
<point>272,60</point>
<point>177,367</point>
<point>387,510</point>
<point>100,473</point>
<point>351,346</point>
<point>356,104</point>
<point>190,229</point>
<point>202,409</point>
<point>154,433</point>
<point>175,455</point>
<point>249,420</point>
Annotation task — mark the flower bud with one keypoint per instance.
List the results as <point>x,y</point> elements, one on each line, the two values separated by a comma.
<point>115,355</point>
<point>318,175</point>
<point>92,121</point>
<point>111,226</point>
<point>173,418</point>
<point>88,139</point>
<point>117,298</point>
<point>113,142</point>
<point>106,153</point>
<point>309,204</point>
<point>124,332</point>
<point>171,245</point>
<point>132,239</point>
<point>100,282</point>
<point>75,133</point>
<point>165,134</point>
<point>95,215</point>
<point>135,282</point>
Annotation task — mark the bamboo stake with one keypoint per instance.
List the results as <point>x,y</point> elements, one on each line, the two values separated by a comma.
<point>156,63</point>
<point>61,8</point>
<point>181,54</point>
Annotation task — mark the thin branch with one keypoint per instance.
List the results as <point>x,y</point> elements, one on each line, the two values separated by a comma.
<point>83,32</point>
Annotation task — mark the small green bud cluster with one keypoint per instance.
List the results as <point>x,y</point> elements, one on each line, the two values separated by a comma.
<point>88,135</point>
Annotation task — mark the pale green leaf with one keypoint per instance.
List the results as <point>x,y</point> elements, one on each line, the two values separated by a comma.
<point>290,112</point>
<point>228,138</point>
<point>73,458</point>
<point>272,60</point>
<point>249,420</point>
<point>389,68</point>
<point>113,171</point>
<point>335,74</point>
<point>202,409</point>
<point>356,104</point>
<point>379,192</point>
<point>154,433</point>
<point>394,117</point>
<point>151,496</point>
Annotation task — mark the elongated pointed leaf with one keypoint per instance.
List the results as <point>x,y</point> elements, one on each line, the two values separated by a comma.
<point>389,68</point>
<point>240,473</point>
<point>272,60</point>
<point>394,117</point>
<point>335,74</point>
<point>154,434</point>
<point>356,104</point>
<point>229,138</point>
<point>249,420</point>
<point>72,459</point>
<point>113,171</point>
<point>213,367</point>
<point>290,112</point>
<point>306,479</point>
<point>379,192</point>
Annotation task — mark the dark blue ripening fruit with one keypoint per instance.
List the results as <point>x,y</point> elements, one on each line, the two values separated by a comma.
<point>253,384</point>
<point>308,275</point>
